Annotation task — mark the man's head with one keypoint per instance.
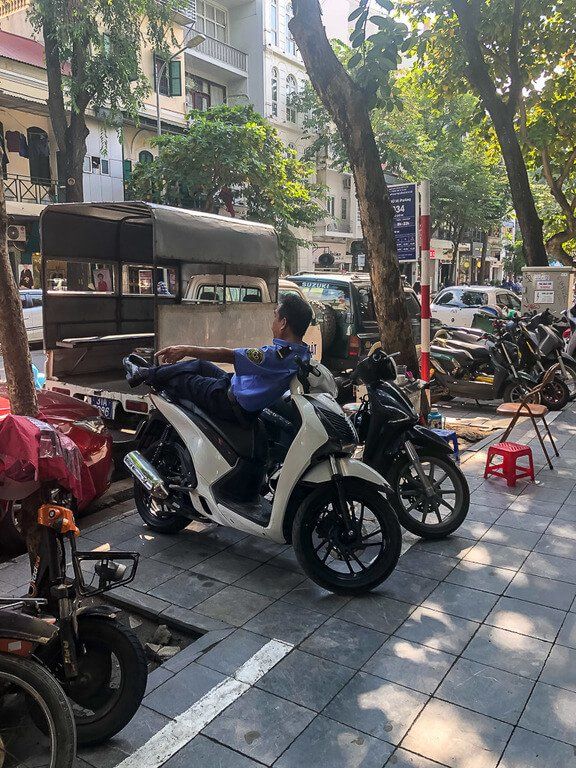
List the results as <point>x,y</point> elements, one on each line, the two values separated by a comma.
<point>291,318</point>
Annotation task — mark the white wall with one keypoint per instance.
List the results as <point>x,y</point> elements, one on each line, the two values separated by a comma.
<point>97,186</point>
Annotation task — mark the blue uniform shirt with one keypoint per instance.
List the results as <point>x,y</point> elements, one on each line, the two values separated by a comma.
<point>262,375</point>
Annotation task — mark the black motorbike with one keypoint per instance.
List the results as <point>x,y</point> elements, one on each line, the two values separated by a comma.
<point>488,369</point>
<point>431,493</point>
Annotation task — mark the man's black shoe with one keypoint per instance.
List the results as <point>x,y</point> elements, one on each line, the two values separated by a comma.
<point>138,360</point>
<point>135,374</point>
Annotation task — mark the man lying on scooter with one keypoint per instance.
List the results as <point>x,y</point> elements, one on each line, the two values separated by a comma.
<point>261,375</point>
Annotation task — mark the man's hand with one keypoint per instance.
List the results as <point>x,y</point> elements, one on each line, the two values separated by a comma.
<point>173,354</point>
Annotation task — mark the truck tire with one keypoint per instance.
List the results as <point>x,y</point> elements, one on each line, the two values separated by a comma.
<point>329,326</point>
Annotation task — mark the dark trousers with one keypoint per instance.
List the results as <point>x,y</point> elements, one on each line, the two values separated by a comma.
<point>205,384</point>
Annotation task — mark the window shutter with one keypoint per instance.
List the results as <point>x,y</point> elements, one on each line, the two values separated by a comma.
<point>127,167</point>
<point>175,78</point>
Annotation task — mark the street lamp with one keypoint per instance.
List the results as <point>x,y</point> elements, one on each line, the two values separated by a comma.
<point>194,42</point>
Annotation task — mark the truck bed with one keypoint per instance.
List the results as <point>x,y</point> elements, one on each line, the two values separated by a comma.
<point>109,381</point>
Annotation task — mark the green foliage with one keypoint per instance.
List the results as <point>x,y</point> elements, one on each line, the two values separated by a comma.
<point>232,148</point>
<point>101,41</point>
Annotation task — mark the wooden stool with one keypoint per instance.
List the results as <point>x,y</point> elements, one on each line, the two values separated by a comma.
<point>509,468</point>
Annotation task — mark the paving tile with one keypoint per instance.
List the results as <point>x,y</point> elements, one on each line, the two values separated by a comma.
<point>233,605</point>
<point>454,546</point>
<point>511,537</point>
<point>306,680</point>
<point>287,560</point>
<point>406,587</point>
<point>148,543</point>
<point>182,690</point>
<point>536,589</point>
<point>437,630</point>
<point>496,555</point>
<point>493,500</point>
<point>479,576</point>
<point>186,554</point>
<point>156,678</point>
<point>151,574</point>
<point>257,549</point>
<point>555,545</point>
<point>535,506</point>
<point>314,598</point>
<point>259,725</point>
<point>282,621</point>
<point>376,612</point>
<point>229,654</point>
<point>472,529</point>
<point>526,618</point>
<point>486,690</point>
<point>202,751</point>
<point>226,567</point>
<point>376,706</point>
<point>560,668</point>
<point>549,494</point>
<point>551,711</point>
<point>404,759</point>
<point>114,533</point>
<point>461,601</point>
<point>510,651</point>
<point>531,750</point>
<point>410,664</point>
<point>567,512</point>
<point>567,635</point>
<point>524,521</point>
<point>344,643</point>
<point>187,589</point>
<point>551,567</point>
<point>428,564</point>
<point>457,737</point>
<point>482,513</point>
<point>192,620</point>
<point>563,528</point>
<point>270,581</point>
<point>328,743</point>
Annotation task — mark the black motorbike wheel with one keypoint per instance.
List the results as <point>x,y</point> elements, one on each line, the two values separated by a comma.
<point>326,553</point>
<point>555,395</point>
<point>161,516</point>
<point>515,391</point>
<point>429,518</point>
<point>36,722</point>
<point>111,681</point>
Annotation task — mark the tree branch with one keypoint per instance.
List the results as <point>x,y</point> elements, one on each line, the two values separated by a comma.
<point>556,189</point>
<point>56,106</point>
<point>515,89</point>
<point>568,165</point>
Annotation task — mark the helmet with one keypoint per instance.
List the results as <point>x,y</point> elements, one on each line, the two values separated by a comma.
<point>378,366</point>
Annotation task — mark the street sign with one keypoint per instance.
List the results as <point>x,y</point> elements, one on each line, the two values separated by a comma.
<point>404,199</point>
<point>432,253</point>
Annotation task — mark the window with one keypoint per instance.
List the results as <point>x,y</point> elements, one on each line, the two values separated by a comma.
<point>330,204</point>
<point>212,21</point>
<point>445,298</point>
<point>367,312</point>
<point>39,155</point>
<point>234,294</point>
<point>87,165</point>
<point>202,94</point>
<point>170,76</point>
<point>127,170</point>
<point>80,276</point>
<point>412,305</point>
<point>344,209</point>
<point>337,296</point>
<point>508,300</point>
<point>291,113</point>
<point>96,164</point>
<point>145,156</point>
<point>274,22</point>
<point>290,42</point>
<point>274,82</point>
<point>105,167</point>
<point>137,280</point>
<point>473,299</point>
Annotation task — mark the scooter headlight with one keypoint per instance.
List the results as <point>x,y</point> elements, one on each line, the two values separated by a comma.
<point>338,427</point>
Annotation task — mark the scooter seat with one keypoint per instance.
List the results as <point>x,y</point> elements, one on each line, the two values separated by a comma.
<point>478,351</point>
<point>241,439</point>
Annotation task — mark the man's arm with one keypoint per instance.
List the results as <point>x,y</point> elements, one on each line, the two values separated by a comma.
<point>213,354</point>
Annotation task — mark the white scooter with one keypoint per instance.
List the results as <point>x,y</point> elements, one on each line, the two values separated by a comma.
<point>331,507</point>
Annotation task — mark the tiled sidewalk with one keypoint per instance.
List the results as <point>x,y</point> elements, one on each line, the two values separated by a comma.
<point>465,657</point>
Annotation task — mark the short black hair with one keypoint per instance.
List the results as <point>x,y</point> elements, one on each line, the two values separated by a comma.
<point>296,312</point>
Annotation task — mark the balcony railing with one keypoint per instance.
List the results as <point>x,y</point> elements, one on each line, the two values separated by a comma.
<point>223,52</point>
<point>23,190</point>
<point>337,226</point>
<point>8,7</point>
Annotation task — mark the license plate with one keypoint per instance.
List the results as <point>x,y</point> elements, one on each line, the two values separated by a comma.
<point>105,405</point>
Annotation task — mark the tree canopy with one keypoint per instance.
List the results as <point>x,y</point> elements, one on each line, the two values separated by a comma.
<point>232,156</point>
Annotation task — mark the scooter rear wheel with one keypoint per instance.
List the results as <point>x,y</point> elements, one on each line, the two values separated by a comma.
<point>327,553</point>
<point>161,516</point>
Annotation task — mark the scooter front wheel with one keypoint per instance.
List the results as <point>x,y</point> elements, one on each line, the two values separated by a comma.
<point>343,559</point>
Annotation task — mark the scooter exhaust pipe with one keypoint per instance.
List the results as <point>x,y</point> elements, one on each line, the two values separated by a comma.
<point>141,469</point>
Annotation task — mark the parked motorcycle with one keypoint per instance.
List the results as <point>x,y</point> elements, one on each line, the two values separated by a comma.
<point>431,494</point>
<point>333,509</point>
<point>98,661</point>
<point>486,371</point>
<point>36,720</point>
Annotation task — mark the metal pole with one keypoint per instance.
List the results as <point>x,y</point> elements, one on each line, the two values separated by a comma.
<point>425,276</point>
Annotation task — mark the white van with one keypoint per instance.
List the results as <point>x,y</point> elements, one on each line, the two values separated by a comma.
<point>32,308</point>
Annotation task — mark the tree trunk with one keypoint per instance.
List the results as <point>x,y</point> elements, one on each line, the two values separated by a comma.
<point>76,134</point>
<point>16,353</point>
<point>344,101</point>
<point>482,275</point>
<point>555,247</point>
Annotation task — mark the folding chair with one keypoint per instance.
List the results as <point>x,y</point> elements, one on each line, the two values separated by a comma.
<point>533,410</point>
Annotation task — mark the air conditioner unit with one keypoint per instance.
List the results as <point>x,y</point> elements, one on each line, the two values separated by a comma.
<point>347,182</point>
<point>16,233</point>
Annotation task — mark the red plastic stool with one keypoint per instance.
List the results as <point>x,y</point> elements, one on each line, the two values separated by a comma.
<point>509,467</point>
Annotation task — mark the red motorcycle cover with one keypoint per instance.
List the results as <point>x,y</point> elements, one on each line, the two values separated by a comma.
<point>33,451</point>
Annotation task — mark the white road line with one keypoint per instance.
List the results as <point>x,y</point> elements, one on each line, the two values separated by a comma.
<point>178,732</point>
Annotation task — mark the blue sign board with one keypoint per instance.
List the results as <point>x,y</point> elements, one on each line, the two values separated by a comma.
<point>404,199</point>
